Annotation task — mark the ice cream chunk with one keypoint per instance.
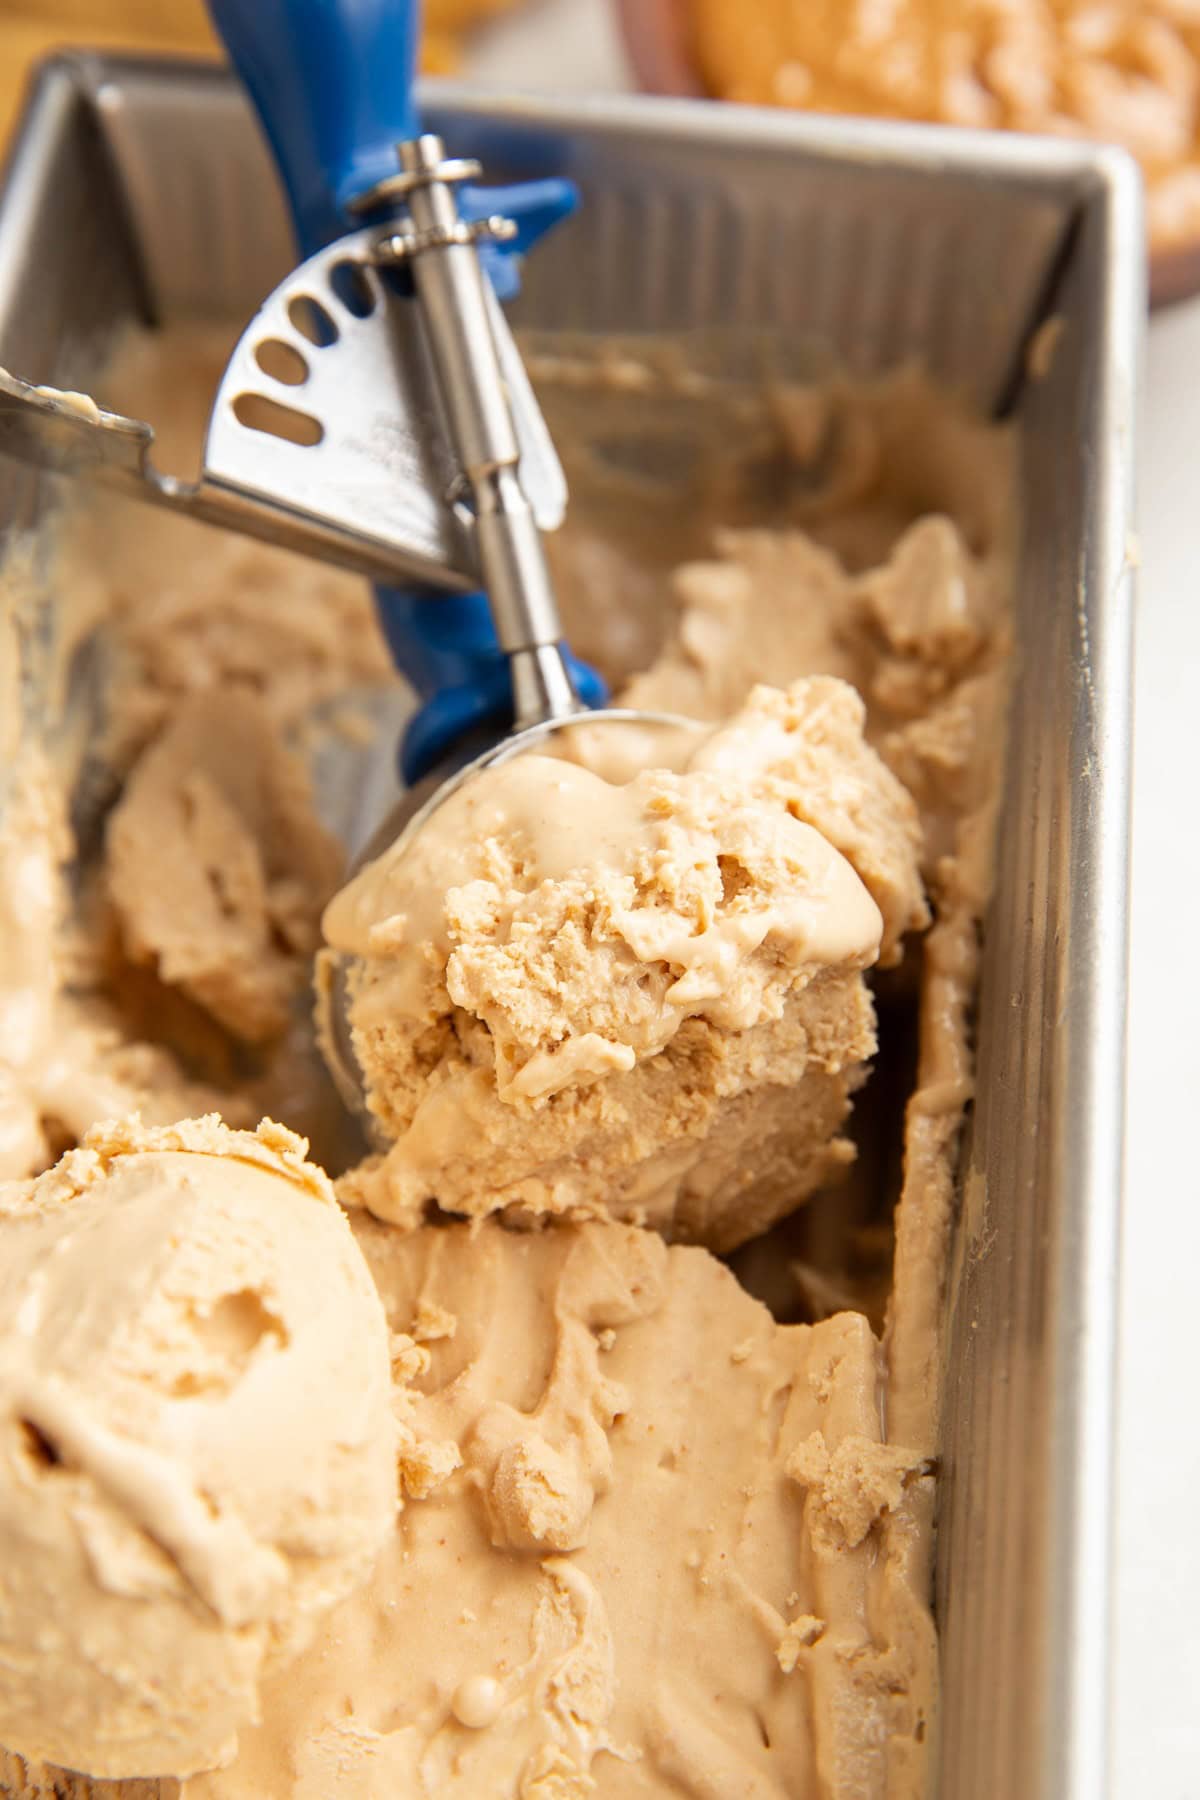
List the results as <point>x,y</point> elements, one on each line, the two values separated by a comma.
<point>67,1058</point>
<point>644,997</point>
<point>197,1446</point>
<point>217,866</point>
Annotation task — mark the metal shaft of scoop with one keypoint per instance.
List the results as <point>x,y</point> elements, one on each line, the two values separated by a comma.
<point>441,250</point>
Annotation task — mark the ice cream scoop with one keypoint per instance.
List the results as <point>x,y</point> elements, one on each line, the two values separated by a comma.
<point>332,83</point>
<point>451,285</point>
<point>197,1447</point>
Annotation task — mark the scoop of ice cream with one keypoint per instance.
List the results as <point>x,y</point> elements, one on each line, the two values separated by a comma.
<point>197,1448</point>
<point>641,996</point>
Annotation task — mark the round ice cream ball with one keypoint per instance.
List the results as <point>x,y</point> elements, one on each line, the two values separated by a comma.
<point>197,1448</point>
<point>591,989</point>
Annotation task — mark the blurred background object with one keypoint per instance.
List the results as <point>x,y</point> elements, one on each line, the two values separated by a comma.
<point>1125,72</point>
<point>31,29</point>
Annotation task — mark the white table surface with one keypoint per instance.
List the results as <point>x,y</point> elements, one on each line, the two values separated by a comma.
<point>570,45</point>
<point>1157,1660</point>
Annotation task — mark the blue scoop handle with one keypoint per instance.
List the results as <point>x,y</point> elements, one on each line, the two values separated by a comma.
<point>332,83</point>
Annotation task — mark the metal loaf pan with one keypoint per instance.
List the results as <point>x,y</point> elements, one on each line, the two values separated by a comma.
<point>142,188</point>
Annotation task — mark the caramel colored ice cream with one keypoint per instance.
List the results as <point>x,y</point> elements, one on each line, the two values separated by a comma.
<point>217,867</point>
<point>643,998</point>
<point>1124,72</point>
<point>626,1570</point>
<point>651,1541</point>
<point>197,1450</point>
<point>67,1056</point>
